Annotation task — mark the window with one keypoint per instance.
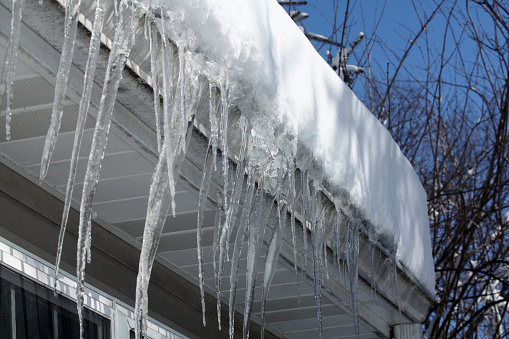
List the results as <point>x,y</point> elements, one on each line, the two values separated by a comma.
<point>31,311</point>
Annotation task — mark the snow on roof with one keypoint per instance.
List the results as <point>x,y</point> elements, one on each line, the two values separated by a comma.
<point>277,75</point>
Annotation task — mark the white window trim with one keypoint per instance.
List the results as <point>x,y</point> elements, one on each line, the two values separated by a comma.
<point>121,315</point>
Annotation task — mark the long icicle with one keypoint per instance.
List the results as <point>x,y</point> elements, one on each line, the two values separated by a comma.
<point>255,239</point>
<point>202,202</point>
<point>315,243</point>
<point>239,241</point>
<point>88,82</point>
<point>215,244</point>
<point>224,142</point>
<point>169,116</point>
<point>272,259</point>
<point>9,69</point>
<point>181,156</point>
<point>353,269</point>
<point>116,62</point>
<point>181,120</point>
<point>231,212</point>
<point>324,247</point>
<point>175,125</point>
<point>337,241</point>
<point>70,29</point>
<point>291,188</point>
<point>304,203</point>
<point>155,71</point>
<point>214,128</point>
<point>320,247</point>
<point>157,210</point>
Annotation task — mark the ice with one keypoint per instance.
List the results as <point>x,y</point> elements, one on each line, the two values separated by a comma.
<point>224,142</point>
<point>9,70</point>
<point>215,245</point>
<point>304,204</point>
<point>239,241</point>
<point>116,62</point>
<point>158,206</point>
<point>394,278</point>
<point>315,215</point>
<point>157,210</point>
<point>169,116</point>
<point>352,256</point>
<point>155,71</point>
<point>232,207</point>
<point>371,244</point>
<point>272,258</point>
<point>70,29</point>
<point>356,154</point>
<point>180,98</point>
<point>202,203</point>
<point>291,179</point>
<point>214,128</point>
<point>80,124</point>
<point>255,236</point>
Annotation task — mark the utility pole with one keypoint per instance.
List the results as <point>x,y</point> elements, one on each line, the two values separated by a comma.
<point>337,63</point>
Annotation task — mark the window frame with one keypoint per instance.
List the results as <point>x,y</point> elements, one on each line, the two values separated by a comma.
<point>120,315</point>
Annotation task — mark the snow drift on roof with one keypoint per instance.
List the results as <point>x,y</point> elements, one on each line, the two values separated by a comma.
<point>261,49</point>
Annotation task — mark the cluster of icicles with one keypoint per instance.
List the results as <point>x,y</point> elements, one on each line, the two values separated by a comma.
<point>273,179</point>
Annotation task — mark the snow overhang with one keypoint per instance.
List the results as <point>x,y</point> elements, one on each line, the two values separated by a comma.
<point>356,138</point>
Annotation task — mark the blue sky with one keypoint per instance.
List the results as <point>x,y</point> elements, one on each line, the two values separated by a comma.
<point>397,23</point>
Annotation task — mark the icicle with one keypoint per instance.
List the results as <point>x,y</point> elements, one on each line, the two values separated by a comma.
<point>394,275</point>
<point>323,243</point>
<point>224,142</point>
<point>116,63</point>
<point>214,128</point>
<point>299,282</point>
<point>9,69</point>
<point>183,152</point>
<point>353,270</point>
<point>231,211</point>
<point>370,246</point>
<point>157,210</point>
<point>255,239</point>
<point>202,203</point>
<point>70,29</point>
<point>316,249</point>
<point>155,71</point>
<point>337,241</point>
<point>175,128</point>
<point>215,245</point>
<point>88,82</point>
<point>304,180</point>
<point>180,119</point>
<point>291,179</point>
<point>170,116</point>
<point>271,259</point>
<point>174,119</point>
<point>239,240</point>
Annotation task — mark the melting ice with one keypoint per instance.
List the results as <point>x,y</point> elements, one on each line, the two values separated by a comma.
<point>289,123</point>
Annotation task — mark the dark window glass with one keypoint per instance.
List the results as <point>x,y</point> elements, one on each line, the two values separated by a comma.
<point>132,335</point>
<point>31,311</point>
